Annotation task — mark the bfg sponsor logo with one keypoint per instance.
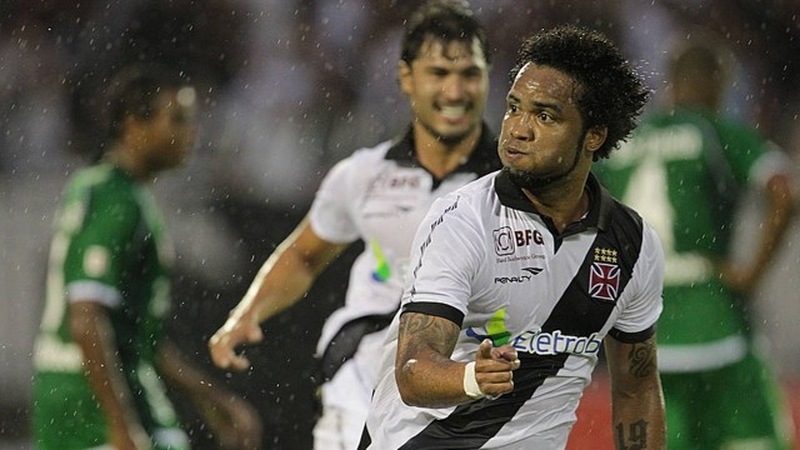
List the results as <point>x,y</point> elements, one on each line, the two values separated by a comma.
<point>506,240</point>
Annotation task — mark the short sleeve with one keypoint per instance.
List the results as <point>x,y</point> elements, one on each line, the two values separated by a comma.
<point>638,318</point>
<point>446,257</point>
<point>100,246</point>
<point>773,162</point>
<point>330,214</point>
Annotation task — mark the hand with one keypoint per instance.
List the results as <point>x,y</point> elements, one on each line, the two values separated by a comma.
<point>233,421</point>
<point>494,367</point>
<point>237,330</point>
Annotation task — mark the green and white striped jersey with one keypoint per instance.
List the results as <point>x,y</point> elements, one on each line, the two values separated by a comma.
<point>109,246</point>
<point>683,172</point>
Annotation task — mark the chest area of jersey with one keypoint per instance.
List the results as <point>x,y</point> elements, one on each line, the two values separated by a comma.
<point>394,200</point>
<point>540,283</point>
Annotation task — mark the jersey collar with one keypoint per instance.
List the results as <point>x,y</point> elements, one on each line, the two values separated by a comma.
<point>481,162</point>
<point>600,201</point>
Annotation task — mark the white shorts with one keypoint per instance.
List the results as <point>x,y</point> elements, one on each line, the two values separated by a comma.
<point>345,404</point>
<point>339,429</point>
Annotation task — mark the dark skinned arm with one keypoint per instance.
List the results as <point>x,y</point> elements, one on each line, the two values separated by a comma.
<point>234,422</point>
<point>280,283</point>
<point>638,416</point>
<point>425,374</point>
<point>773,226</point>
<point>92,331</point>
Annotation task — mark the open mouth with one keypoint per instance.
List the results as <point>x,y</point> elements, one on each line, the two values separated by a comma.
<point>513,151</point>
<point>453,112</point>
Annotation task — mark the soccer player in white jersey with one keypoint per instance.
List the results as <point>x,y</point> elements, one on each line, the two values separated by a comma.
<point>516,280</point>
<point>378,195</point>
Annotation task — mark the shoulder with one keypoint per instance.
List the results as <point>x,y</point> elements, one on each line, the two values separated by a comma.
<point>623,225</point>
<point>363,160</point>
<point>481,188</point>
<point>91,177</point>
<point>477,191</point>
<point>474,199</point>
<point>103,187</point>
<point>98,195</point>
<point>638,240</point>
<point>622,215</point>
<point>101,179</point>
<point>369,155</point>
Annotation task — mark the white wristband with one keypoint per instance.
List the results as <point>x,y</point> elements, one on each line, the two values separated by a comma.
<point>471,387</point>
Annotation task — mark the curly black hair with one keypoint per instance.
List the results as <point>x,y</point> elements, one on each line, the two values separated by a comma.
<point>613,94</point>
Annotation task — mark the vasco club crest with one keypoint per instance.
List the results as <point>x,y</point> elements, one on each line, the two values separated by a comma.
<point>604,275</point>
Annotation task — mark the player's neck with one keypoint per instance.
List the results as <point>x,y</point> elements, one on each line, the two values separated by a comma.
<point>441,158</point>
<point>126,158</point>
<point>564,203</point>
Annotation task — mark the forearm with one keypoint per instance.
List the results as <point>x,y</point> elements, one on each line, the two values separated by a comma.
<point>425,374</point>
<point>187,378</point>
<point>280,283</point>
<point>92,331</point>
<point>179,373</point>
<point>432,381</point>
<point>234,422</point>
<point>638,415</point>
<point>287,274</point>
<point>774,223</point>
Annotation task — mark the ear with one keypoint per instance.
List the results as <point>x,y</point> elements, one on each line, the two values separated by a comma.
<point>595,138</point>
<point>404,77</point>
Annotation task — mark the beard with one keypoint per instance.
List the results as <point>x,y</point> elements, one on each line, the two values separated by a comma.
<point>534,182</point>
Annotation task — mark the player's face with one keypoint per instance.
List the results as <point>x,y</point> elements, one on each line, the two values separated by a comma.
<point>171,130</point>
<point>542,139</point>
<point>447,85</point>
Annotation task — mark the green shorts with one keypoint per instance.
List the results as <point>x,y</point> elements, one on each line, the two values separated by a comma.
<point>65,415</point>
<point>736,407</point>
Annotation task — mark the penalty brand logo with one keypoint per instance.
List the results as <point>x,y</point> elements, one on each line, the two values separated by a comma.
<point>527,275</point>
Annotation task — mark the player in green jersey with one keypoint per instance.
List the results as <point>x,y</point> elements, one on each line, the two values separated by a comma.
<point>684,170</point>
<point>101,356</point>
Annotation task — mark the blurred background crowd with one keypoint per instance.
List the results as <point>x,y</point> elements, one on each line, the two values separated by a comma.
<point>289,87</point>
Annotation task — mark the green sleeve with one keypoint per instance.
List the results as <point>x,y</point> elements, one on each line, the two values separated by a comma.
<point>101,243</point>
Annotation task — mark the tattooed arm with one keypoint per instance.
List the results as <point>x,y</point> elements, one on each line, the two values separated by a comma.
<point>425,374</point>
<point>636,396</point>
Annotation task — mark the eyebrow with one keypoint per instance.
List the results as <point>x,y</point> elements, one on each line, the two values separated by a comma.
<point>536,104</point>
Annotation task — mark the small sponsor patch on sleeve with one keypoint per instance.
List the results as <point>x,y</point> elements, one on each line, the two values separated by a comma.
<point>96,261</point>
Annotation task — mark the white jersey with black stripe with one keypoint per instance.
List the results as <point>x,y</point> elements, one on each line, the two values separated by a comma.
<point>485,259</point>
<point>378,195</point>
